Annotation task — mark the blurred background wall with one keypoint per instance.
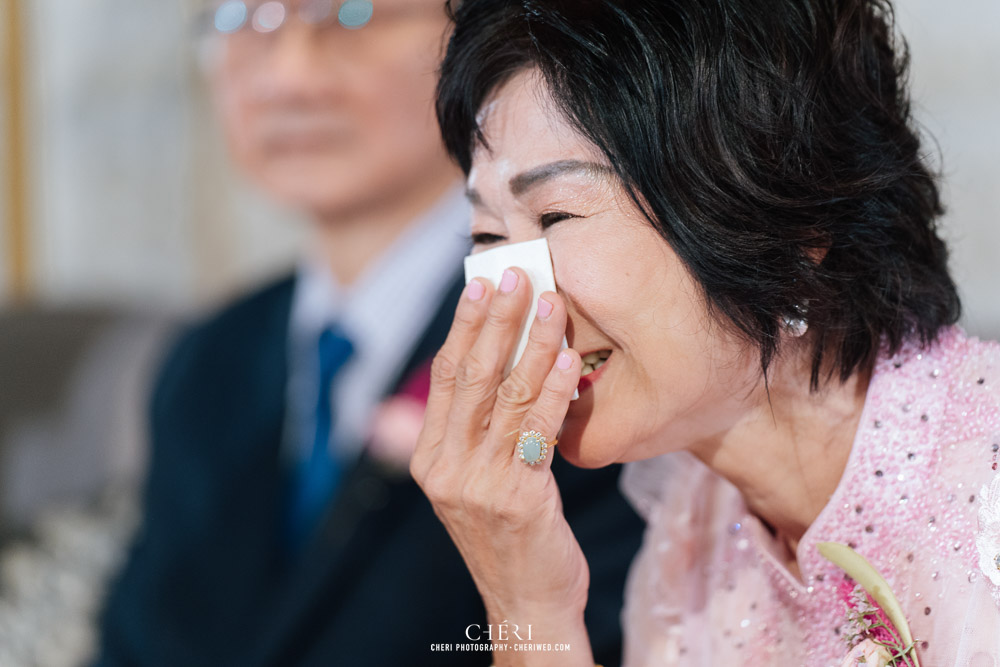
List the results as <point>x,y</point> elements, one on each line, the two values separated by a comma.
<point>956,87</point>
<point>123,219</point>
<point>129,205</point>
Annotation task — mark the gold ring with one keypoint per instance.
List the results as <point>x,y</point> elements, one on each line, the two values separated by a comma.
<point>533,447</point>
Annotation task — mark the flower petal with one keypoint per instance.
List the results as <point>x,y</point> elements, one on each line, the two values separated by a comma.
<point>859,569</point>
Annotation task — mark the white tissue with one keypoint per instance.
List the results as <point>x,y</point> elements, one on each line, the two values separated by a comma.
<point>531,256</point>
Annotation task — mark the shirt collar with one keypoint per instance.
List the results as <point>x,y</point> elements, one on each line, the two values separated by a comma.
<point>396,297</point>
<point>394,289</point>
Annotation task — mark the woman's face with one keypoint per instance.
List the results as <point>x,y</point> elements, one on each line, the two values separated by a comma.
<point>674,378</point>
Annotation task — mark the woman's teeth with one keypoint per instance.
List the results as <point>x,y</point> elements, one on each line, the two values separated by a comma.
<point>594,360</point>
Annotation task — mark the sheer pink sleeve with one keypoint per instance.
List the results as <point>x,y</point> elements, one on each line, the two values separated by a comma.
<point>979,643</point>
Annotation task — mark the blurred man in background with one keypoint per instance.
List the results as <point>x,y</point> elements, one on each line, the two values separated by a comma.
<point>280,525</point>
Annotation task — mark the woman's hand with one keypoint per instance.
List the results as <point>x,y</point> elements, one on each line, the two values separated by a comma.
<point>506,516</point>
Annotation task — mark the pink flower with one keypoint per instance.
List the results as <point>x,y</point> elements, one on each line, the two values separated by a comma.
<point>395,430</point>
<point>869,632</point>
<point>398,420</point>
<point>869,654</point>
<point>874,615</point>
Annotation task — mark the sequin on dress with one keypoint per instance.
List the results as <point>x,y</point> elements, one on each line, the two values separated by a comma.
<point>919,499</point>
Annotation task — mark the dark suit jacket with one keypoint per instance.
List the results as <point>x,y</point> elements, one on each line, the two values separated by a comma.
<point>205,582</point>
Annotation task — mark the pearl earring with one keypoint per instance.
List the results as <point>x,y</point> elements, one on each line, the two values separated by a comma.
<point>797,325</point>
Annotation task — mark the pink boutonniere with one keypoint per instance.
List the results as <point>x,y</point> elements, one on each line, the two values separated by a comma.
<point>874,640</point>
<point>878,634</point>
<point>398,420</point>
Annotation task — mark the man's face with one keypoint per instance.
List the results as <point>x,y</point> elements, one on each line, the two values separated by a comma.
<point>330,119</point>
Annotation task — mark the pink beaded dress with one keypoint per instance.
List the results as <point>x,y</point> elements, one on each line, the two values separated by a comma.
<point>919,499</point>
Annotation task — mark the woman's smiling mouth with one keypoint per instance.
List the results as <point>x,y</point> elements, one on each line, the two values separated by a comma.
<point>593,362</point>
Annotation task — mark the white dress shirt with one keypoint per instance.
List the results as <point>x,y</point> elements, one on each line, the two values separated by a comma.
<point>384,314</point>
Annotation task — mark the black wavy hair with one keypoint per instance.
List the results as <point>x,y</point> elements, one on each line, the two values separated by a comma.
<point>768,141</point>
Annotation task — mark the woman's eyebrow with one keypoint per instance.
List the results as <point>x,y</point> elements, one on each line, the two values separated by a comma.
<point>528,179</point>
<point>535,176</point>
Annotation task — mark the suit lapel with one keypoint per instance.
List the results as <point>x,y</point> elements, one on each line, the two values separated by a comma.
<point>435,333</point>
<point>254,409</point>
<point>371,497</point>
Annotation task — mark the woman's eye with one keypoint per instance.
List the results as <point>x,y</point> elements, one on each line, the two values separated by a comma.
<point>548,219</point>
<point>485,238</point>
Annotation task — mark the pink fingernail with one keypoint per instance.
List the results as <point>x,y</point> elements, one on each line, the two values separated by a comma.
<point>475,290</point>
<point>508,282</point>
<point>544,309</point>
<point>564,361</point>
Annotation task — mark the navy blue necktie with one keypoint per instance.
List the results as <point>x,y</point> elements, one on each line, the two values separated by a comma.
<point>315,476</point>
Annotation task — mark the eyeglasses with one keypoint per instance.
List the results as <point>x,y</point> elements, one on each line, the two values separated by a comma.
<point>234,16</point>
<point>249,27</point>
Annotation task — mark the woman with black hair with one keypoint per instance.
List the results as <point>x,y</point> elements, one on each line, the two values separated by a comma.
<point>760,315</point>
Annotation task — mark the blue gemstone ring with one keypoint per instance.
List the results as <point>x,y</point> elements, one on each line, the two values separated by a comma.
<point>532,447</point>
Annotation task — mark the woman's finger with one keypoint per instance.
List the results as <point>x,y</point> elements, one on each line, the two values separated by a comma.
<point>469,317</point>
<point>517,393</point>
<point>546,415</point>
<point>480,372</point>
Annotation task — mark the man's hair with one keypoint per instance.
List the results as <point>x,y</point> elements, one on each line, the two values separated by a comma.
<point>768,141</point>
